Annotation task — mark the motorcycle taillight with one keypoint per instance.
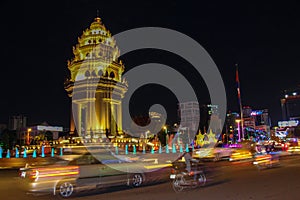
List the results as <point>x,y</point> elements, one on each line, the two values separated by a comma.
<point>173,171</point>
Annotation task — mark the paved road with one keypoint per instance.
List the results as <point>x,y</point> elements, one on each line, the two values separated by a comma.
<point>236,181</point>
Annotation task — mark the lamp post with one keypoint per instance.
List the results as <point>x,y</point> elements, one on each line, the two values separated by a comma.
<point>275,132</point>
<point>28,131</point>
<point>146,134</point>
<point>239,129</point>
<point>167,137</point>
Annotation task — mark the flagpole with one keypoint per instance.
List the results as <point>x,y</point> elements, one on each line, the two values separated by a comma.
<point>240,100</point>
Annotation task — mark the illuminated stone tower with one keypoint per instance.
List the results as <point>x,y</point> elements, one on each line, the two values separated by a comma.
<point>95,83</point>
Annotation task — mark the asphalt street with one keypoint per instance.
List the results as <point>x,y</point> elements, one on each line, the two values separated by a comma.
<point>234,181</point>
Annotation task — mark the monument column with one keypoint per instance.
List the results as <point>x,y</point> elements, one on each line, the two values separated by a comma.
<point>119,115</point>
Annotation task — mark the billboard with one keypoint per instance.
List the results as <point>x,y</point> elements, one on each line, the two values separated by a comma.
<point>290,123</point>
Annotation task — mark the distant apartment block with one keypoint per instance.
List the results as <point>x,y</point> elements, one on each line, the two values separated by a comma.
<point>189,113</point>
<point>290,104</point>
<point>17,122</point>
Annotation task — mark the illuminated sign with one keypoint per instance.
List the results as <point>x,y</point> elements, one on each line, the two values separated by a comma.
<point>212,106</point>
<point>249,122</point>
<point>288,123</point>
<point>281,134</point>
<point>50,128</point>
<point>256,112</point>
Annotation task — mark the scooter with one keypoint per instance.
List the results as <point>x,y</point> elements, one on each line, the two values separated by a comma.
<point>182,179</point>
<point>266,161</point>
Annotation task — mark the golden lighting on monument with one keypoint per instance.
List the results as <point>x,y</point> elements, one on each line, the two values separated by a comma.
<point>95,83</point>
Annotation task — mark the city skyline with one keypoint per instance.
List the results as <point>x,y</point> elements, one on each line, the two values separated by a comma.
<point>261,38</point>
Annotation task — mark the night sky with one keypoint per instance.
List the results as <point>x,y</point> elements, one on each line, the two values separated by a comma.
<point>37,39</point>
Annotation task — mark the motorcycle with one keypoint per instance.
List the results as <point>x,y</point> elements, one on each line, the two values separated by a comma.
<point>182,179</point>
<point>266,161</point>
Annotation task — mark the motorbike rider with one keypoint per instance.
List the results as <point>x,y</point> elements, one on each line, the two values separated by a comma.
<point>188,158</point>
<point>192,164</point>
<point>187,172</point>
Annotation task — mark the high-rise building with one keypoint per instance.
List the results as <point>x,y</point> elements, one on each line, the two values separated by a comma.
<point>214,118</point>
<point>17,122</point>
<point>262,120</point>
<point>189,113</point>
<point>255,123</point>
<point>247,111</point>
<point>231,126</point>
<point>95,83</point>
<point>261,117</point>
<point>290,104</point>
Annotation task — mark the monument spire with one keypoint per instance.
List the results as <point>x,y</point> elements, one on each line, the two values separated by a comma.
<point>97,19</point>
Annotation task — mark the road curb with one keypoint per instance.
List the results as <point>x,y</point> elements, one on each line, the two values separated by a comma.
<point>15,163</point>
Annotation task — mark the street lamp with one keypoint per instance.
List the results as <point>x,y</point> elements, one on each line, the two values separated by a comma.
<point>146,134</point>
<point>165,128</point>
<point>167,136</point>
<point>275,132</point>
<point>239,129</point>
<point>28,131</point>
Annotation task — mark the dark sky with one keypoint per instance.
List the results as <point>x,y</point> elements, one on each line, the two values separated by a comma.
<point>37,39</point>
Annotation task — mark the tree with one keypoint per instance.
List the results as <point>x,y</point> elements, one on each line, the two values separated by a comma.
<point>162,137</point>
<point>5,138</point>
<point>12,138</point>
<point>48,136</point>
<point>9,138</point>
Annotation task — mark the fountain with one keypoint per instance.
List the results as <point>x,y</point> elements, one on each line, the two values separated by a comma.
<point>152,150</point>
<point>187,148</point>
<point>117,150</point>
<point>43,151</point>
<point>173,148</point>
<point>134,149</point>
<point>167,148</point>
<point>17,153</point>
<point>0,152</point>
<point>126,149</point>
<point>34,153</point>
<point>61,151</point>
<point>144,150</point>
<point>52,152</point>
<point>25,153</point>
<point>8,154</point>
